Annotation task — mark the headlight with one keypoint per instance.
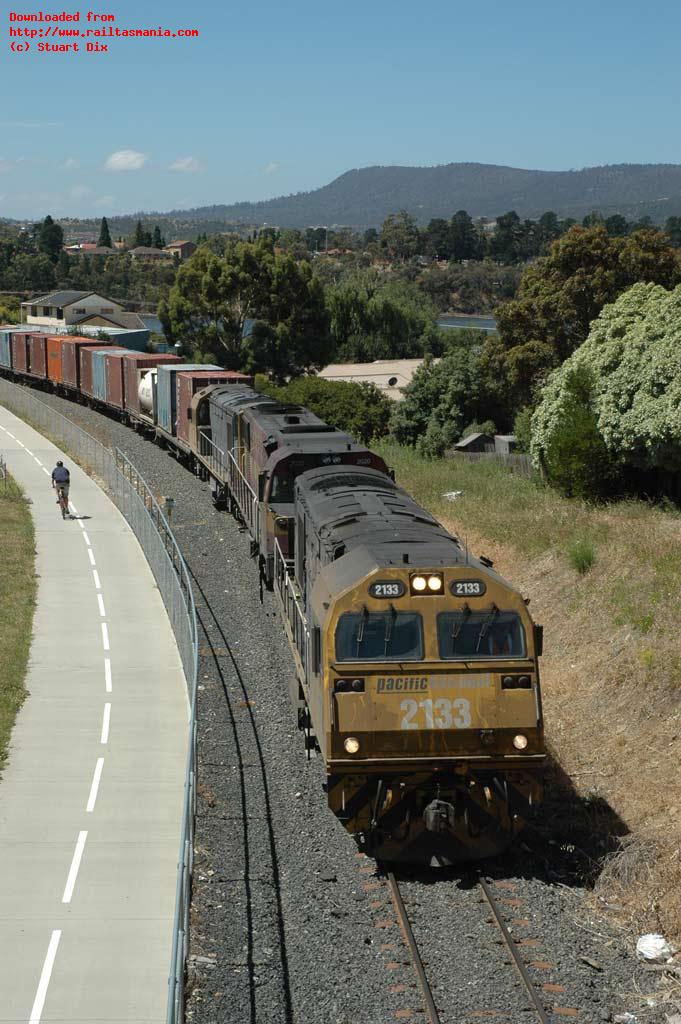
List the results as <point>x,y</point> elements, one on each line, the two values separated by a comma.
<point>520,741</point>
<point>418,583</point>
<point>435,583</point>
<point>351,745</point>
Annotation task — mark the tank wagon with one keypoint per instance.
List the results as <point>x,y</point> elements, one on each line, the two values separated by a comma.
<point>417,672</point>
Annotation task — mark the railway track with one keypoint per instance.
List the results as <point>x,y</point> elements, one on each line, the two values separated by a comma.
<point>435,1015</point>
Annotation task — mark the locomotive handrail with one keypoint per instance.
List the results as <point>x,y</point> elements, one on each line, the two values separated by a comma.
<point>245,496</point>
<point>207,449</point>
<point>284,581</point>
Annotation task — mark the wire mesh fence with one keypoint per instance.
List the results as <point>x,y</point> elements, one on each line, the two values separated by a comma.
<point>128,490</point>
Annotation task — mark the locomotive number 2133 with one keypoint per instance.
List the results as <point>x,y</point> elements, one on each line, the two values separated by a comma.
<point>436,714</point>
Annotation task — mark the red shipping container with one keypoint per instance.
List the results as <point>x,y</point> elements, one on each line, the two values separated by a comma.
<point>37,355</point>
<point>113,369</point>
<point>190,382</point>
<point>54,357</point>
<point>19,344</point>
<point>85,361</point>
<point>70,359</point>
<point>136,364</point>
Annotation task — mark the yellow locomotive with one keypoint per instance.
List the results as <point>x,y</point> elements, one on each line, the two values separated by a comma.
<point>417,673</point>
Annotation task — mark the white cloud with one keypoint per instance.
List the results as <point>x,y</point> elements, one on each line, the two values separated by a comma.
<point>104,201</point>
<point>271,168</point>
<point>70,164</point>
<point>125,160</point>
<point>188,164</point>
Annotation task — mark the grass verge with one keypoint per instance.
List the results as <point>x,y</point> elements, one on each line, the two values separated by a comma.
<point>605,581</point>
<point>17,603</point>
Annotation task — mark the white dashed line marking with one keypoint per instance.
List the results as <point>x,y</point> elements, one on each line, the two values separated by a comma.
<point>100,602</point>
<point>91,556</point>
<point>85,536</point>
<point>21,445</point>
<point>81,524</point>
<point>107,675</point>
<point>105,636</point>
<point>105,724</point>
<point>74,508</point>
<point>46,471</point>
<point>36,459</point>
<point>8,433</point>
<point>73,870</point>
<point>95,576</point>
<point>45,974</point>
<point>92,799</point>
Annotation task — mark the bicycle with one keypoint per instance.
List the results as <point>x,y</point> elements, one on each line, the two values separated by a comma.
<point>63,499</point>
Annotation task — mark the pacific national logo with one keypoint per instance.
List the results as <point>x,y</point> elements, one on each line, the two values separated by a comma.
<point>401,684</point>
<point>417,684</point>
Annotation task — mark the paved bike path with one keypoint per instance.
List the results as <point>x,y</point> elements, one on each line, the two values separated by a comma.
<point>91,795</point>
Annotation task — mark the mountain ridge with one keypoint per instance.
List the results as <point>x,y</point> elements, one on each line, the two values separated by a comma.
<point>363,197</point>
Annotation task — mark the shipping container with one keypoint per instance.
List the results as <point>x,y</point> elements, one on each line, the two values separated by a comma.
<point>137,364</point>
<point>37,355</point>
<point>19,345</point>
<point>114,364</point>
<point>134,340</point>
<point>165,412</point>
<point>188,383</point>
<point>54,357</point>
<point>5,350</point>
<point>70,358</point>
<point>86,356</point>
<point>99,358</point>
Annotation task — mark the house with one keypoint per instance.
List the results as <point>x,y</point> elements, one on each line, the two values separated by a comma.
<point>67,307</point>
<point>183,249</point>
<point>389,375</point>
<point>146,252</point>
<point>475,443</point>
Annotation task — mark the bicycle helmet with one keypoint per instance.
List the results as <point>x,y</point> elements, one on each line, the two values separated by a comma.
<point>59,462</point>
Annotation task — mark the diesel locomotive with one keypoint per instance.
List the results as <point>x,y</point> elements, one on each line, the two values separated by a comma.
<point>416,665</point>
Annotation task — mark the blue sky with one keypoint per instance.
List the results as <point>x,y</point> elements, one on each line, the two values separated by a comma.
<point>275,98</point>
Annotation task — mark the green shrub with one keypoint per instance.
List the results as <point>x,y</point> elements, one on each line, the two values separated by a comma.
<point>582,555</point>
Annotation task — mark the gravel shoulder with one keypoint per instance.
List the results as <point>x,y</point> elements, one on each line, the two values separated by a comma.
<point>288,922</point>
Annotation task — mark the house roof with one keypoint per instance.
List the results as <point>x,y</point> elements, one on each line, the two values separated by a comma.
<point>130,321</point>
<point>100,250</point>
<point>466,441</point>
<point>146,250</point>
<point>180,241</point>
<point>56,299</point>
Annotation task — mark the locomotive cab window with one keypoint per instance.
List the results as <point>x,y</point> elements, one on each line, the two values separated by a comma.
<point>480,634</point>
<point>379,636</point>
<point>282,486</point>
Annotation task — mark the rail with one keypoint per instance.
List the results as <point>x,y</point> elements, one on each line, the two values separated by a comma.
<point>132,496</point>
<point>431,1010</point>
<point>287,589</point>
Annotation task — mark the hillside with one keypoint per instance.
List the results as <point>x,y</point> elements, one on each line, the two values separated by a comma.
<point>363,198</point>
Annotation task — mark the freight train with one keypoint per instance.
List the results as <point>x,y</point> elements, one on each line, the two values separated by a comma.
<point>416,665</point>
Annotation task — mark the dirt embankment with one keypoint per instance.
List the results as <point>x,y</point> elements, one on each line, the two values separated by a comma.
<point>611,672</point>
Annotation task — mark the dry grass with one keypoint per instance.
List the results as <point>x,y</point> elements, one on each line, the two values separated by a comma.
<point>17,601</point>
<point>612,665</point>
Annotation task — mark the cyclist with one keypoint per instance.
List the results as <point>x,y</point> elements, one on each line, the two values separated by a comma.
<point>61,479</point>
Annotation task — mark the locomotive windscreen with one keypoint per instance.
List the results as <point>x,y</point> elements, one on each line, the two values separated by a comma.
<point>379,636</point>
<point>488,634</point>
